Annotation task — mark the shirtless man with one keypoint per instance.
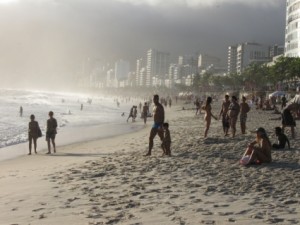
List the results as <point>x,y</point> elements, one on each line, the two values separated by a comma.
<point>233,112</point>
<point>159,118</point>
<point>223,114</point>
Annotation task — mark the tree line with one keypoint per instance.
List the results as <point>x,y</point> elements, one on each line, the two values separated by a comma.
<point>284,74</point>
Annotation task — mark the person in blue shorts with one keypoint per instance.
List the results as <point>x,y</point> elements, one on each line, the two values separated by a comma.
<point>159,118</point>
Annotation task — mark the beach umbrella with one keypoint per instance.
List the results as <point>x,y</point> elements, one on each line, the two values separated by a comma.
<point>277,94</point>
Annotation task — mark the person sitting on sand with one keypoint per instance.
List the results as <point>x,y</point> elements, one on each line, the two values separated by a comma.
<point>166,143</point>
<point>208,115</point>
<point>159,118</point>
<point>260,148</point>
<point>281,138</point>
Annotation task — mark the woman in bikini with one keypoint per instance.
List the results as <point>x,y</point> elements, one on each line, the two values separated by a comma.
<point>208,115</point>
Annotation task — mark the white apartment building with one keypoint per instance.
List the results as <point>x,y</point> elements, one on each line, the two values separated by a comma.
<point>248,53</point>
<point>292,30</point>
<point>232,57</point>
<point>157,66</point>
<point>205,61</point>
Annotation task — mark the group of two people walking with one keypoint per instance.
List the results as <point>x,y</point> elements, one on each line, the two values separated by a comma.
<point>34,132</point>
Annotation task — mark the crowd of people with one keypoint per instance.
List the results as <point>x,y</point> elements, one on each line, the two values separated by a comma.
<point>258,151</point>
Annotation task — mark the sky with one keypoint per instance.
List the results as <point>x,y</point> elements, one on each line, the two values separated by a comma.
<point>44,41</point>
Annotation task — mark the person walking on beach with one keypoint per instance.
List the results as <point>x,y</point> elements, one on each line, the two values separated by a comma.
<point>33,133</point>
<point>145,112</point>
<point>243,116</point>
<point>208,115</point>
<point>166,143</point>
<point>224,116</point>
<point>233,112</point>
<point>130,114</point>
<point>159,118</point>
<point>51,132</point>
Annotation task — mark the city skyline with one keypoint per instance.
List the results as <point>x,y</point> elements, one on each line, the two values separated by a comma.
<point>51,36</point>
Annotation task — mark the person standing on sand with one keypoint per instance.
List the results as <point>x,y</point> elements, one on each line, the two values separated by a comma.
<point>33,133</point>
<point>223,114</point>
<point>287,119</point>
<point>208,115</point>
<point>145,112</point>
<point>159,118</point>
<point>51,132</point>
<point>233,112</point>
<point>243,116</point>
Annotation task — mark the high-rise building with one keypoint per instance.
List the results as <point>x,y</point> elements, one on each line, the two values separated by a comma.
<point>157,65</point>
<point>292,30</point>
<point>232,57</point>
<point>139,66</point>
<point>248,53</point>
<point>205,61</point>
<point>275,50</point>
<point>122,69</point>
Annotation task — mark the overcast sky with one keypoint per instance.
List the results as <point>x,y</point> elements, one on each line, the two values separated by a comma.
<point>40,37</point>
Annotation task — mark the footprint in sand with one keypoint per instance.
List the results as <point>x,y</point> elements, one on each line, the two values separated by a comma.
<point>36,210</point>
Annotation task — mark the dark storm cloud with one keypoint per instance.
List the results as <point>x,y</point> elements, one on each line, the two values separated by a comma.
<point>54,37</point>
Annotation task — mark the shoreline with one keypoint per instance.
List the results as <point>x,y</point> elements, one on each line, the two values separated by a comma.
<point>70,135</point>
<point>110,181</point>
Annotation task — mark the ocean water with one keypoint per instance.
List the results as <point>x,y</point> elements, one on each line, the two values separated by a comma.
<point>102,118</point>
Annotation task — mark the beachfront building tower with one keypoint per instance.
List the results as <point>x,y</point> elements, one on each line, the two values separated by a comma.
<point>157,67</point>
<point>292,30</point>
<point>248,53</point>
<point>206,61</point>
<point>232,57</point>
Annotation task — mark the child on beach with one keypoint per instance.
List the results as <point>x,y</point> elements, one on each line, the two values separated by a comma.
<point>282,139</point>
<point>166,142</point>
<point>51,132</point>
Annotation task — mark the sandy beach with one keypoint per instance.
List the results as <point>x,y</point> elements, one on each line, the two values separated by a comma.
<point>110,181</point>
